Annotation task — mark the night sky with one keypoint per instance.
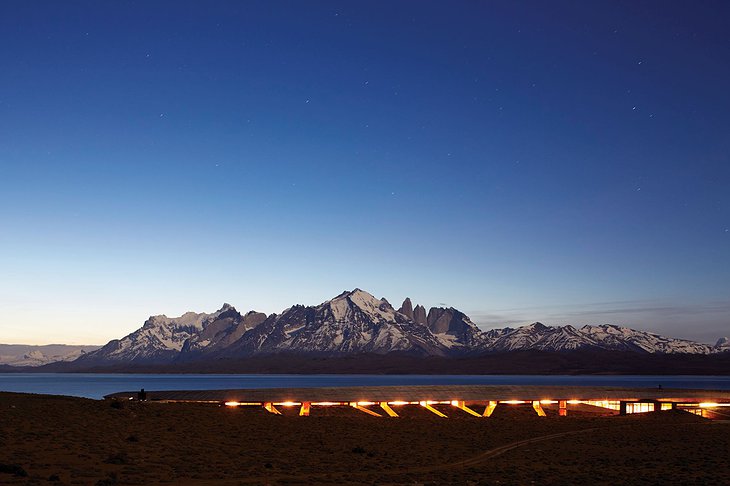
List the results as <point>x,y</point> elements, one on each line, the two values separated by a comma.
<point>566,162</point>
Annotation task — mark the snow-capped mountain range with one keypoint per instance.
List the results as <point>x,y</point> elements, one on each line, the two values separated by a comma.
<point>356,322</point>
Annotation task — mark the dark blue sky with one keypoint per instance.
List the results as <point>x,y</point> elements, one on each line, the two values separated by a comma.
<point>565,162</point>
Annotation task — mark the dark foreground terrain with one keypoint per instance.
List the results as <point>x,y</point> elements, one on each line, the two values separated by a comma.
<point>59,440</point>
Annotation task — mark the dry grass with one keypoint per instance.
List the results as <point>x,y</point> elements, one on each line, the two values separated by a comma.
<point>89,442</point>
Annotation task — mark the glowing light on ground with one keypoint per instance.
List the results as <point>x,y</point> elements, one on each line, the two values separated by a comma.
<point>427,405</point>
<point>271,408</point>
<point>388,410</point>
<point>489,409</point>
<point>355,405</point>
<point>461,405</point>
<point>538,408</point>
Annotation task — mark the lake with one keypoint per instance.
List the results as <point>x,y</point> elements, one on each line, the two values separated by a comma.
<point>93,385</point>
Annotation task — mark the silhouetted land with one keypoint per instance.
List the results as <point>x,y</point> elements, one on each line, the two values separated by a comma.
<point>80,441</point>
<point>517,362</point>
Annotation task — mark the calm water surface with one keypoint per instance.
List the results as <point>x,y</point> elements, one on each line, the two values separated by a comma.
<point>91,385</point>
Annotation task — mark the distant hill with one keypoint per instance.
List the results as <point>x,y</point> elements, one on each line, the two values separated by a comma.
<point>30,355</point>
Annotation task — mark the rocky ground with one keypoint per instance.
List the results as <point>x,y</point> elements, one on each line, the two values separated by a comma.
<point>60,440</point>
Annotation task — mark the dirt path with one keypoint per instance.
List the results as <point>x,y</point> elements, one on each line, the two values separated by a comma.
<point>498,451</point>
<point>348,476</point>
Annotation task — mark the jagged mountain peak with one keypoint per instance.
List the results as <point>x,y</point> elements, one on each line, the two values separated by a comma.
<point>188,319</point>
<point>407,308</point>
<point>723,344</point>
<point>537,326</point>
<point>343,304</point>
<point>419,315</point>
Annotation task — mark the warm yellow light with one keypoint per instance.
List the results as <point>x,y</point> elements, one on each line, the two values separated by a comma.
<point>573,402</point>
<point>397,402</point>
<point>512,402</point>
<point>548,402</point>
<point>713,405</point>
<point>288,404</point>
<point>232,404</point>
<point>455,403</point>
<point>327,404</point>
<point>366,404</point>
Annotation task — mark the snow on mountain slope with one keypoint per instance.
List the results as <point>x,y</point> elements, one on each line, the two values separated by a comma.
<point>722,345</point>
<point>356,322</point>
<point>609,337</point>
<point>163,338</point>
<point>222,330</point>
<point>454,329</point>
<point>625,339</point>
<point>352,322</point>
<point>538,336</point>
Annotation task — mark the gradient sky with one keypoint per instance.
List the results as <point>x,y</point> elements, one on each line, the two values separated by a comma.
<point>565,162</point>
